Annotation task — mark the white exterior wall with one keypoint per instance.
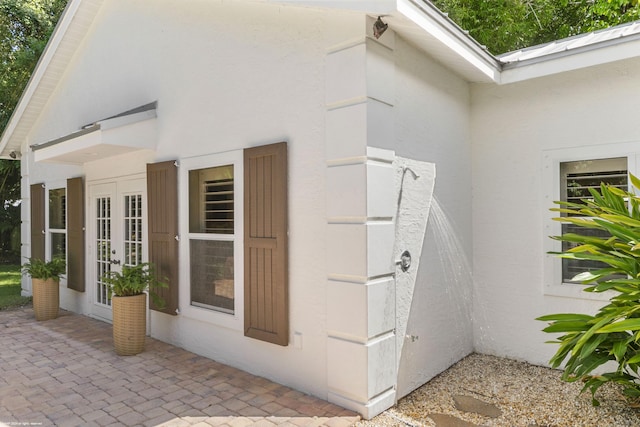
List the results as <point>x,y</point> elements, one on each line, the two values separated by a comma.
<point>520,133</point>
<point>226,76</point>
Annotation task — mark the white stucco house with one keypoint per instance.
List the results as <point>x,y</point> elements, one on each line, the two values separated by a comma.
<point>343,212</point>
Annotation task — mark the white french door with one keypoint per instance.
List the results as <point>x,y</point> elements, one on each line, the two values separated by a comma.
<point>118,235</point>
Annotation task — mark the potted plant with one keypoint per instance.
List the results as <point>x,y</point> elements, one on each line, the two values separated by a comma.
<point>45,282</point>
<point>127,290</point>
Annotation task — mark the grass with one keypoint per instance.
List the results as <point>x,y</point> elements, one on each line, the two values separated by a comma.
<point>10,287</point>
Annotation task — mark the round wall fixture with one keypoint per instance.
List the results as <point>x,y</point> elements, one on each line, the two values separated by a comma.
<point>405,260</point>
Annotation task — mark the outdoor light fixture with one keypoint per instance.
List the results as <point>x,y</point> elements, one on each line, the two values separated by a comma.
<point>379,28</point>
<point>14,154</point>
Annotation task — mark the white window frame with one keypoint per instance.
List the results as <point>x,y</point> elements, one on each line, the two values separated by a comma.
<point>236,320</point>
<point>551,160</point>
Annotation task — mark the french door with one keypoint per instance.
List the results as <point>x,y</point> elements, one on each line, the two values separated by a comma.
<point>118,235</point>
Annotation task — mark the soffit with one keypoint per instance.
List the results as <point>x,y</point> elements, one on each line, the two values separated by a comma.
<point>421,23</point>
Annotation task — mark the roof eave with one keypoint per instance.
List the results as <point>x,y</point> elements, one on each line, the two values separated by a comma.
<point>571,58</point>
<point>8,140</point>
<point>476,62</point>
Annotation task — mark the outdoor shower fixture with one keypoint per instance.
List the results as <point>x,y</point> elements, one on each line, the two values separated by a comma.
<point>379,27</point>
<point>414,186</point>
<point>405,258</point>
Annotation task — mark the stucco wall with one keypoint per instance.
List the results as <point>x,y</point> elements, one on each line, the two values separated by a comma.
<point>517,130</point>
<point>226,76</point>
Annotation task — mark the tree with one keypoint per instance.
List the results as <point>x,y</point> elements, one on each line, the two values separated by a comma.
<point>25,28</point>
<point>10,207</point>
<point>507,25</point>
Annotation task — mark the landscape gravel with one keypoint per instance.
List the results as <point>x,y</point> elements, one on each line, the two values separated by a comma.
<point>527,395</point>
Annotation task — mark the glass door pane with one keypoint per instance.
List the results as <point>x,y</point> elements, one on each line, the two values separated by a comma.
<point>103,248</point>
<point>132,229</point>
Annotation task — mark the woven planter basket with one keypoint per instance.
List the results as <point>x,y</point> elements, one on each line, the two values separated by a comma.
<point>129,324</point>
<point>46,298</point>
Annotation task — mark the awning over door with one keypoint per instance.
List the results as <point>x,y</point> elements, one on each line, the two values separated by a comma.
<point>126,132</point>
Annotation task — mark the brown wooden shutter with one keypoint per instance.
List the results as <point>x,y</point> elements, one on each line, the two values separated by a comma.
<point>75,235</point>
<point>162,207</point>
<point>266,294</point>
<point>37,221</point>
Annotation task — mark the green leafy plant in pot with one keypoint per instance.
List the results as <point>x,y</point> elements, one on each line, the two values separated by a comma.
<point>613,333</point>
<point>45,283</point>
<point>127,290</point>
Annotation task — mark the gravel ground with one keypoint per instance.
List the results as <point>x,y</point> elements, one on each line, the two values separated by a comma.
<point>527,395</point>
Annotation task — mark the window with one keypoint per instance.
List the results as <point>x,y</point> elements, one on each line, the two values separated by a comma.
<point>577,178</point>
<point>237,240</point>
<point>58,223</point>
<point>211,237</point>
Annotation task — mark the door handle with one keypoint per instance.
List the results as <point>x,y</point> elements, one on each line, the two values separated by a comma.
<point>115,261</point>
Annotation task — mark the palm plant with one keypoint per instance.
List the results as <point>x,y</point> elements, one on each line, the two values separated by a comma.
<point>613,333</point>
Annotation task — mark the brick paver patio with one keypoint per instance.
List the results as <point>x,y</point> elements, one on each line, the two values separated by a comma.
<point>64,372</point>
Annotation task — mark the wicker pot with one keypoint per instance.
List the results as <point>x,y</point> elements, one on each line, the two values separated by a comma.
<point>129,324</point>
<point>46,298</point>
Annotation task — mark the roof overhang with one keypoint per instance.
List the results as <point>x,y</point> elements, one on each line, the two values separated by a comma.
<point>420,22</point>
<point>573,53</point>
<point>425,26</point>
<point>130,131</point>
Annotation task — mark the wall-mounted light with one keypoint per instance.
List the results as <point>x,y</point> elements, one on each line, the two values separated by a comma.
<point>14,154</point>
<point>379,28</point>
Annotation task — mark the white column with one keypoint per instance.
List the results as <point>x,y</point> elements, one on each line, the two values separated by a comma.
<point>361,349</point>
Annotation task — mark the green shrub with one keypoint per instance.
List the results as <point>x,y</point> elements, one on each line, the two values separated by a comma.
<point>134,280</point>
<point>10,288</point>
<point>40,269</point>
<point>613,334</point>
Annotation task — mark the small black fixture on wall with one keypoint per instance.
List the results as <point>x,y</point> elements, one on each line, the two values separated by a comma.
<point>379,27</point>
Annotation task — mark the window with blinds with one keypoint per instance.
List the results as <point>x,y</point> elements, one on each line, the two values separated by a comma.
<point>211,228</point>
<point>212,190</point>
<point>576,179</point>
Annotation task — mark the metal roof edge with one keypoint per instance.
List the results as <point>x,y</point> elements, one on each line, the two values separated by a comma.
<point>458,32</point>
<point>134,115</point>
<point>440,26</point>
<point>84,131</point>
<point>572,53</point>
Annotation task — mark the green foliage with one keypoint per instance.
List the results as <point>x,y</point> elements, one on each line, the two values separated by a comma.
<point>40,269</point>
<point>134,280</point>
<point>508,25</point>
<point>613,333</point>
<point>9,208</point>
<point>10,287</point>
<point>25,28</point>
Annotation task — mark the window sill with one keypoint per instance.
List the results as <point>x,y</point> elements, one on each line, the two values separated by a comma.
<point>576,291</point>
<point>213,317</point>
